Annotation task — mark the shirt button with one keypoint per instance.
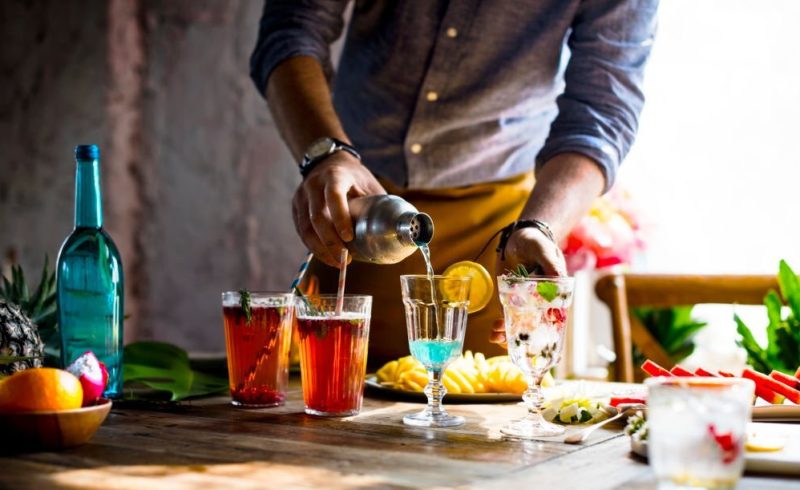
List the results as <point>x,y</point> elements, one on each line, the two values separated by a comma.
<point>432,96</point>
<point>416,148</point>
<point>452,32</point>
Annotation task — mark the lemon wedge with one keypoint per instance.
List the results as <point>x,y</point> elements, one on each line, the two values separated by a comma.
<point>760,443</point>
<point>481,287</point>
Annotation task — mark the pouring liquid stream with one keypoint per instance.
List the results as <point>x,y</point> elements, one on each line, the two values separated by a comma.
<point>426,255</point>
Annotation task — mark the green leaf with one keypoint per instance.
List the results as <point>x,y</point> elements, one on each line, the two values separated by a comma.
<point>673,328</point>
<point>787,357</point>
<point>683,334</point>
<point>682,352</point>
<point>165,367</point>
<point>790,287</point>
<point>548,290</point>
<point>176,381</point>
<point>756,356</point>
<point>774,308</point>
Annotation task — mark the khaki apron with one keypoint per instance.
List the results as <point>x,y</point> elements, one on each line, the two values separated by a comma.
<point>464,219</point>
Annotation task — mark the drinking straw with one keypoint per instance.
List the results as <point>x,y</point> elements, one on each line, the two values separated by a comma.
<point>301,272</point>
<point>342,274</point>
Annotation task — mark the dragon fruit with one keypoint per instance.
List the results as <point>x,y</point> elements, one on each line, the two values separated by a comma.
<point>92,375</point>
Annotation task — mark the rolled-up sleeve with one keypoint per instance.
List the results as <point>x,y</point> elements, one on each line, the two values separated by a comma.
<point>598,112</point>
<point>295,28</point>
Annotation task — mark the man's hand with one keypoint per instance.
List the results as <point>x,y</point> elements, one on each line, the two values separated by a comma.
<point>531,248</point>
<point>320,210</point>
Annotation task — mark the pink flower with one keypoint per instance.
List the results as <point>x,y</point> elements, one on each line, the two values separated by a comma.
<point>610,234</point>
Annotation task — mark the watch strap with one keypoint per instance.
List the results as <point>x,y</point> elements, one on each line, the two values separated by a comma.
<point>309,163</point>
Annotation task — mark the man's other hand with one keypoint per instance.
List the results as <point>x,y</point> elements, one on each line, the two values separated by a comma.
<point>531,248</point>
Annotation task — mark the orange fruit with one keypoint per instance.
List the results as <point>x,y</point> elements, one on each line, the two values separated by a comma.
<point>40,389</point>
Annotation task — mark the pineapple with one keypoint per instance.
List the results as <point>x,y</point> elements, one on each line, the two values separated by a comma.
<point>25,320</point>
<point>20,345</point>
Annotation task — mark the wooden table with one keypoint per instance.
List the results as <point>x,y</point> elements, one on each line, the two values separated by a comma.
<point>209,444</point>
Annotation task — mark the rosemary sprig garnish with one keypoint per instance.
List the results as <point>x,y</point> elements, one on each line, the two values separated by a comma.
<point>244,302</point>
<point>547,289</point>
<point>313,310</point>
<point>517,275</point>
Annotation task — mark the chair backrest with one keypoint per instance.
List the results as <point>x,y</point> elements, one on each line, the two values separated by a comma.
<point>621,292</point>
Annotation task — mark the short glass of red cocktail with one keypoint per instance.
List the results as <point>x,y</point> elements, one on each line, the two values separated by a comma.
<point>258,334</point>
<point>333,352</point>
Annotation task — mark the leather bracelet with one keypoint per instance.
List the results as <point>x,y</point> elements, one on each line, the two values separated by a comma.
<point>506,233</point>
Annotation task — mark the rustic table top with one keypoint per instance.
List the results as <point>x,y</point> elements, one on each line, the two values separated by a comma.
<point>209,444</point>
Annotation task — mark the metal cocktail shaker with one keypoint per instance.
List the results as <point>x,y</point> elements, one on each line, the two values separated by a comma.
<point>387,229</point>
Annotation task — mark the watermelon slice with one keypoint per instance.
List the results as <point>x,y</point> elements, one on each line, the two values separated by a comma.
<point>797,373</point>
<point>774,385</point>
<point>762,391</point>
<point>654,369</point>
<point>703,372</point>
<point>786,379</point>
<point>678,370</point>
<point>768,395</point>
<point>615,401</point>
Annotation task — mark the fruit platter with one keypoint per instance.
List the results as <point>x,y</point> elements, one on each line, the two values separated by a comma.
<point>471,378</point>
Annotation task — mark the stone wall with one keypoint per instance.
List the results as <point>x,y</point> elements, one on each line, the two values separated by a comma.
<point>197,184</point>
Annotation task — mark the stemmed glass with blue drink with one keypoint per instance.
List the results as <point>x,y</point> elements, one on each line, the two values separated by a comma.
<point>436,319</point>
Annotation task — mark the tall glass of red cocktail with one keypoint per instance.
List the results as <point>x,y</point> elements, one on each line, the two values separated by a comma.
<point>333,352</point>
<point>258,334</point>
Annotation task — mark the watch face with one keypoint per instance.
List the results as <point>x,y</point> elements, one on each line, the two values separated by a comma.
<point>321,147</point>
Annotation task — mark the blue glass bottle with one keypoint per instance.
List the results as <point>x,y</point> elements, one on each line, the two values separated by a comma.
<point>89,278</point>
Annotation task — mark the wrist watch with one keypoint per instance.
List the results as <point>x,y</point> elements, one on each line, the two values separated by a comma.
<point>322,148</point>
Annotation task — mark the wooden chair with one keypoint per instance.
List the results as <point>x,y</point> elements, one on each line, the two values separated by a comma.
<point>620,292</point>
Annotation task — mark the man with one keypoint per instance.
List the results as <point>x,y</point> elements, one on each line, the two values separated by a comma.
<point>450,104</point>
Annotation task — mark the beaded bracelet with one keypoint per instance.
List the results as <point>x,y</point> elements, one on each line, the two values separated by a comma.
<point>506,232</point>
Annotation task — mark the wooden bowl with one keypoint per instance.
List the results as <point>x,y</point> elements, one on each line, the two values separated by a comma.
<point>57,429</point>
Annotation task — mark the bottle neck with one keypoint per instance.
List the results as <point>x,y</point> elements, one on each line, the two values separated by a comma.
<point>88,204</point>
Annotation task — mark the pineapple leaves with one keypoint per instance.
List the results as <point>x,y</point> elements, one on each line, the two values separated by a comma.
<point>39,307</point>
<point>782,352</point>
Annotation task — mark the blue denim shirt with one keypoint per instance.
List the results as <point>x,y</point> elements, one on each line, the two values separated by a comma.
<point>438,93</point>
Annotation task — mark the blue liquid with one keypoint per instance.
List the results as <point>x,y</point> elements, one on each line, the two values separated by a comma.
<point>90,283</point>
<point>435,354</point>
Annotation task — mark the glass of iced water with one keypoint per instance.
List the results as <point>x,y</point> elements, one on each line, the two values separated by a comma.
<point>696,430</point>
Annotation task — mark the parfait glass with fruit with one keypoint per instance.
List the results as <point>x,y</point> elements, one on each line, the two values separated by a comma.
<point>436,318</point>
<point>535,314</point>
